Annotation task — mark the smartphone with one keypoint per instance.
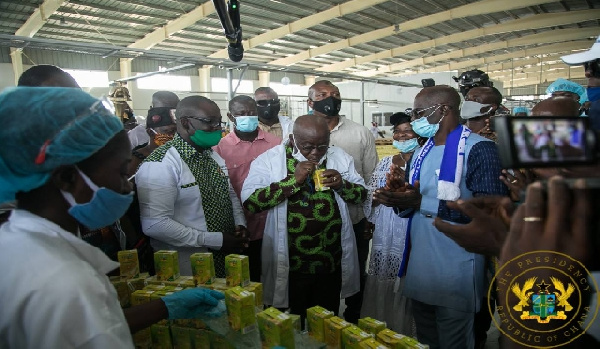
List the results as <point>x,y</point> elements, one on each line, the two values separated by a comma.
<point>533,142</point>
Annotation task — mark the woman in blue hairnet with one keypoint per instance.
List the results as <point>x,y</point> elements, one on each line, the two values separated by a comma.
<point>64,160</point>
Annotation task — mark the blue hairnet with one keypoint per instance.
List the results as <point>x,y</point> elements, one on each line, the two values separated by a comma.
<point>568,86</point>
<point>520,110</point>
<point>30,116</point>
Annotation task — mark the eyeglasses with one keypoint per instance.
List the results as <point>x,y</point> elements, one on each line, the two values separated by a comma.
<point>267,102</point>
<point>310,148</point>
<point>207,122</point>
<point>103,107</point>
<point>418,112</point>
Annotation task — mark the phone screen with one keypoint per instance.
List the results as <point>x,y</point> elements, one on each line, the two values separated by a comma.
<point>549,140</point>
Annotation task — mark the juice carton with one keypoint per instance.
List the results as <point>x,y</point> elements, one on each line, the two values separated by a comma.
<point>123,291</point>
<point>136,283</point>
<point>371,325</point>
<point>316,326</point>
<point>411,343</point>
<point>352,336</point>
<point>257,289</point>
<point>166,264</point>
<point>295,322</point>
<point>240,309</point>
<point>181,336</point>
<point>220,284</point>
<point>161,337</point>
<point>200,338</point>
<point>371,344</point>
<point>142,339</point>
<point>390,338</point>
<point>203,268</point>
<point>141,297</point>
<point>275,329</point>
<point>333,331</point>
<point>129,264</point>
<point>237,270</point>
<point>318,180</point>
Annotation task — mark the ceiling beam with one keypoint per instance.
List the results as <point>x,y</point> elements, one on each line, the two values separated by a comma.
<point>38,18</point>
<point>485,63</point>
<point>303,23</point>
<point>527,23</point>
<point>472,9</point>
<point>548,78</point>
<point>174,26</point>
<point>530,71</point>
<point>550,36</point>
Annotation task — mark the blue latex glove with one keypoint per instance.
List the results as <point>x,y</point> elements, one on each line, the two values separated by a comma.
<point>192,303</point>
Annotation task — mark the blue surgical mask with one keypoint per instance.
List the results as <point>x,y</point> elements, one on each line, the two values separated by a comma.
<point>593,93</point>
<point>423,128</point>
<point>406,146</point>
<point>105,208</point>
<point>246,123</point>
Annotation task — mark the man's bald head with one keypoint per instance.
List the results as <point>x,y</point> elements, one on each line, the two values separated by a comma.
<point>164,99</point>
<point>441,94</point>
<point>310,125</point>
<point>556,106</point>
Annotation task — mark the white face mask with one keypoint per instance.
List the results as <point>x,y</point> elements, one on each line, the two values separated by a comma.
<point>471,109</point>
<point>296,154</point>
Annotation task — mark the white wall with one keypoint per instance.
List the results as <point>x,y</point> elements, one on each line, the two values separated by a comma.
<point>383,98</point>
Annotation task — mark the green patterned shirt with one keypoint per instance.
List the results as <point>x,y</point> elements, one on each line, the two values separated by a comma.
<point>314,220</point>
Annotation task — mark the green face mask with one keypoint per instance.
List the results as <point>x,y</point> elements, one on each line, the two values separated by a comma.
<point>205,139</point>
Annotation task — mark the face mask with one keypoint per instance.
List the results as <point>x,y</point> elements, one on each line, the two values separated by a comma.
<point>105,208</point>
<point>269,112</point>
<point>205,139</point>
<point>472,109</point>
<point>296,154</point>
<point>161,138</point>
<point>406,146</point>
<point>593,93</point>
<point>423,128</point>
<point>246,123</point>
<point>329,106</point>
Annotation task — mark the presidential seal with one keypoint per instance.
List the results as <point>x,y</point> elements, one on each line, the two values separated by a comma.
<point>544,299</point>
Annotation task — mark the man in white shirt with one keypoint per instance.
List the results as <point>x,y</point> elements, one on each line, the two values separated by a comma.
<point>187,203</point>
<point>356,140</point>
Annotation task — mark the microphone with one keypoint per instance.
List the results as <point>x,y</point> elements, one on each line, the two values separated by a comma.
<point>229,15</point>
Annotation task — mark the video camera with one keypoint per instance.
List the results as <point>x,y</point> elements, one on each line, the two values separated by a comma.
<point>533,142</point>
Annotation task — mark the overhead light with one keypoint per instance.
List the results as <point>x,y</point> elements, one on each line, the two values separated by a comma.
<point>63,21</point>
<point>396,28</point>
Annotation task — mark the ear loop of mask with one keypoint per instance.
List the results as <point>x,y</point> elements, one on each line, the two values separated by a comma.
<point>69,197</point>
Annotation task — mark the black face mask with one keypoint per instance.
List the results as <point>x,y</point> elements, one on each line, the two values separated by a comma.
<point>329,106</point>
<point>269,112</point>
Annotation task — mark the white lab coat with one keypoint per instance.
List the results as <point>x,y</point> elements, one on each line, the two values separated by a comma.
<point>270,167</point>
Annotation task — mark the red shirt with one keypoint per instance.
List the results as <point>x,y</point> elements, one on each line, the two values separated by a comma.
<point>238,156</point>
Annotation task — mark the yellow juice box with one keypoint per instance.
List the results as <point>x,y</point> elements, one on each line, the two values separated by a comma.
<point>390,338</point>
<point>275,329</point>
<point>123,291</point>
<point>203,268</point>
<point>352,336</point>
<point>129,264</point>
<point>237,270</point>
<point>141,297</point>
<point>220,284</point>
<point>411,343</point>
<point>143,339</point>
<point>315,317</point>
<point>371,325</point>
<point>240,309</point>
<point>257,289</point>
<point>136,284</point>
<point>161,337</point>
<point>295,322</point>
<point>333,331</point>
<point>181,337</point>
<point>200,338</point>
<point>371,344</point>
<point>166,264</point>
<point>318,180</point>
